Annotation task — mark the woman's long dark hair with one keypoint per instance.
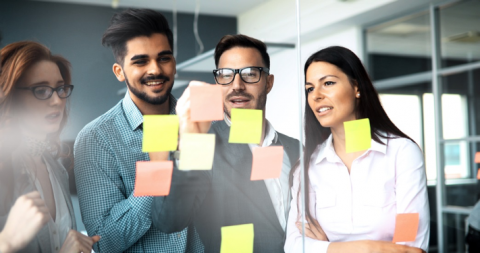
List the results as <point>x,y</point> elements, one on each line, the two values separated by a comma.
<point>368,106</point>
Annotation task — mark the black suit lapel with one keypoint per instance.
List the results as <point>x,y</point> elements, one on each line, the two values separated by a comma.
<point>239,157</point>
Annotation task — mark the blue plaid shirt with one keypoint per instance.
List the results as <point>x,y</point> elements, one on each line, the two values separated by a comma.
<point>106,151</point>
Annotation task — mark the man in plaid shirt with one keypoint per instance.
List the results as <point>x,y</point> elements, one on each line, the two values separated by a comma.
<point>107,149</point>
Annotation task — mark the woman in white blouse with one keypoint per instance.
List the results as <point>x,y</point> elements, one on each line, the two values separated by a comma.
<point>353,198</point>
<point>35,87</point>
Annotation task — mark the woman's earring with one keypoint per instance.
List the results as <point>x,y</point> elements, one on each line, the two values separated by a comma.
<point>358,95</point>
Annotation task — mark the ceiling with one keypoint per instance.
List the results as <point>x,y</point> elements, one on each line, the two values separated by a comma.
<point>411,35</point>
<point>211,7</point>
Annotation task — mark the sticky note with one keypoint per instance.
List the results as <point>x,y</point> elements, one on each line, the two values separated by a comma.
<point>160,133</point>
<point>153,178</point>
<point>357,135</point>
<point>206,103</point>
<point>477,157</point>
<point>196,151</point>
<point>406,227</point>
<point>267,162</point>
<point>478,174</point>
<point>246,126</point>
<point>237,239</point>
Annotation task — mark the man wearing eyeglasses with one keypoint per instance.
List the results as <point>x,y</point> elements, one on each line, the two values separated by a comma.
<point>225,195</point>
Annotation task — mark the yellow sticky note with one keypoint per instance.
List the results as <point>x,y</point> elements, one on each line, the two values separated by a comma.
<point>196,151</point>
<point>246,126</point>
<point>237,239</point>
<point>357,135</point>
<point>160,133</point>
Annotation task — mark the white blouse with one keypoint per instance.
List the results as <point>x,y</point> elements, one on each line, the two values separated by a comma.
<point>384,181</point>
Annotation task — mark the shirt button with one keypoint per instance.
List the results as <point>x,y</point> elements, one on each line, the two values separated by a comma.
<point>54,232</point>
<point>178,235</point>
<point>56,248</point>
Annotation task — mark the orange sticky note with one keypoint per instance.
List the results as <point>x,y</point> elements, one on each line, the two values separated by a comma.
<point>406,227</point>
<point>153,178</point>
<point>477,157</point>
<point>478,174</point>
<point>206,103</point>
<point>267,162</point>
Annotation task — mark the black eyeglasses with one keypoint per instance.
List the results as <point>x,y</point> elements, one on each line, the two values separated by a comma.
<point>226,76</point>
<point>46,92</point>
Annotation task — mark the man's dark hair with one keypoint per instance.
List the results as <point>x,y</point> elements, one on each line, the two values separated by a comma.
<point>240,40</point>
<point>133,23</point>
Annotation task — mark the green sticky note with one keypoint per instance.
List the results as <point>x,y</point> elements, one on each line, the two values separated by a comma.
<point>196,151</point>
<point>246,126</point>
<point>160,133</point>
<point>237,239</point>
<point>357,135</point>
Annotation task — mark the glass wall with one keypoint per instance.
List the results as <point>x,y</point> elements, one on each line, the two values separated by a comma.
<point>426,67</point>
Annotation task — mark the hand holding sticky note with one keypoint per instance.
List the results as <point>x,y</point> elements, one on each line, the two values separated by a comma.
<point>237,239</point>
<point>196,151</point>
<point>206,103</point>
<point>246,126</point>
<point>267,162</point>
<point>160,133</point>
<point>406,227</point>
<point>153,178</point>
<point>357,135</point>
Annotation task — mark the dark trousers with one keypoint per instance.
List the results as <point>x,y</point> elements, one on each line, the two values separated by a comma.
<point>473,240</point>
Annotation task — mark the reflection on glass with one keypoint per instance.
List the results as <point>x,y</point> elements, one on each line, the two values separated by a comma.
<point>460,33</point>
<point>399,47</point>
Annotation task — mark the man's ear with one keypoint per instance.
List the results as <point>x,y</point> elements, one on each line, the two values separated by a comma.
<point>270,79</point>
<point>118,71</point>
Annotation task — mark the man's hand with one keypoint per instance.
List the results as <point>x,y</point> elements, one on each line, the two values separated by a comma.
<point>77,242</point>
<point>371,247</point>
<point>27,216</point>
<point>184,110</point>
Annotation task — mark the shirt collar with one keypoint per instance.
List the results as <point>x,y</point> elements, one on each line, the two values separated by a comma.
<point>133,114</point>
<point>328,151</point>
<point>271,135</point>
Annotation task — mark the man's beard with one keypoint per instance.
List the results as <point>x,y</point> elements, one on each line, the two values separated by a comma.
<point>262,100</point>
<point>143,95</point>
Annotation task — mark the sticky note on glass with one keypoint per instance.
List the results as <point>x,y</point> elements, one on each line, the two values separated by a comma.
<point>153,178</point>
<point>246,126</point>
<point>206,103</point>
<point>196,151</point>
<point>267,162</point>
<point>478,174</point>
<point>477,157</point>
<point>160,133</point>
<point>238,239</point>
<point>357,135</point>
<point>406,227</point>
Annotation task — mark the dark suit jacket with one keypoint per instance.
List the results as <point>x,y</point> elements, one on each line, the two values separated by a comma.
<point>223,196</point>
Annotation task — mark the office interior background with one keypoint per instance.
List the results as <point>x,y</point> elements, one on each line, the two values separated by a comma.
<point>423,56</point>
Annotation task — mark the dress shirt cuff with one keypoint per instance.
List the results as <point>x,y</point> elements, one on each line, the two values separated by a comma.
<point>142,205</point>
<point>315,246</point>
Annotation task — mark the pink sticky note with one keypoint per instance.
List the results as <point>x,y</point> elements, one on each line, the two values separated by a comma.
<point>406,227</point>
<point>267,162</point>
<point>206,103</point>
<point>153,178</point>
<point>477,157</point>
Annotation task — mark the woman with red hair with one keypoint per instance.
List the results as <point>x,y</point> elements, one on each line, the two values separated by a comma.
<point>35,86</point>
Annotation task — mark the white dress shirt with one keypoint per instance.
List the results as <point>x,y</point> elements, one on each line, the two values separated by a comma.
<point>362,205</point>
<point>58,228</point>
<point>278,188</point>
